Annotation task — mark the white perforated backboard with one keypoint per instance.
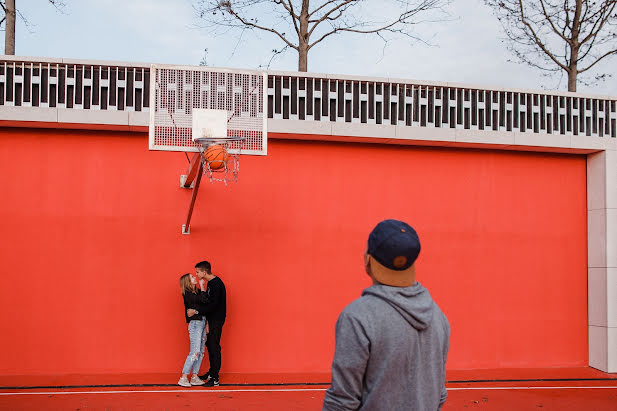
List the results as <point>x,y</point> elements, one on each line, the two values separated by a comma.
<point>180,93</point>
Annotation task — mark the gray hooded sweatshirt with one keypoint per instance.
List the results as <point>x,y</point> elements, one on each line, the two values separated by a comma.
<point>391,349</point>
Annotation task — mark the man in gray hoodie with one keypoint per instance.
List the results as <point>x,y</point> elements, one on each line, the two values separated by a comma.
<point>391,343</point>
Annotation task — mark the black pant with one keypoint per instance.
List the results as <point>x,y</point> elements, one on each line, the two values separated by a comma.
<point>213,343</point>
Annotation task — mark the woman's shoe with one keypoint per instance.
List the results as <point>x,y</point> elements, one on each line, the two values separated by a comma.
<point>183,381</point>
<point>195,380</point>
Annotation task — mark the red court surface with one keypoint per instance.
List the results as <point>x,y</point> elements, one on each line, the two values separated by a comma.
<point>545,389</point>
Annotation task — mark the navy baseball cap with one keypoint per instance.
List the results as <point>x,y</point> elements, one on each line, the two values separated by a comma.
<point>394,244</point>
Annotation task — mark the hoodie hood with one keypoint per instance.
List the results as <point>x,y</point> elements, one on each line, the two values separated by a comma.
<point>414,303</point>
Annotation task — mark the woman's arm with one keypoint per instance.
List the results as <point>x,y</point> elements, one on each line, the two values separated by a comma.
<point>191,304</point>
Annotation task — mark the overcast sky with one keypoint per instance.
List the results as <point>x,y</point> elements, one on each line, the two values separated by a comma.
<point>467,49</point>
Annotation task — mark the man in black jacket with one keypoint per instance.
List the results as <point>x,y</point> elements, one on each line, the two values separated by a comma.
<point>215,310</point>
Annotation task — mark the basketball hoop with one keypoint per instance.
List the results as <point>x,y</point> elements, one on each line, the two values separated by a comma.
<point>219,141</point>
<point>220,157</point>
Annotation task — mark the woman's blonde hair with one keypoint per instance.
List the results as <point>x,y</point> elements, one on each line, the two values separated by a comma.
<point>185,284</point>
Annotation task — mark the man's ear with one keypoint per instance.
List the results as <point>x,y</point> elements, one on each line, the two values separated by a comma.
<point>367,264</point>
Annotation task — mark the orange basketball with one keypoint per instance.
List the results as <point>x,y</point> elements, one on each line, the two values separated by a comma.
<point>216,156</point>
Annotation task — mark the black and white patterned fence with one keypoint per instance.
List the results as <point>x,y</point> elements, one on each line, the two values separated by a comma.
<point>76,86</point>
<point>295,96</point>
<point>421,105</point>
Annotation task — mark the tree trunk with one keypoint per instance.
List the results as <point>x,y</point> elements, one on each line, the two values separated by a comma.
<point>9,35</point>
<point>303,57</point>
<point>573,66</point>
<point>303,39</point>
<point>574,46</point>
<point>572,79</point>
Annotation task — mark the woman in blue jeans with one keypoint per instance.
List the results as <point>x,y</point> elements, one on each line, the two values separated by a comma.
<point>193,296</point>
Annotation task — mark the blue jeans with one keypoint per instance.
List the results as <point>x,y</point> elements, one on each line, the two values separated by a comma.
<point>197,335</point>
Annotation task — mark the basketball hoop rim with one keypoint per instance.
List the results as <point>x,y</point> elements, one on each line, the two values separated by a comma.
<point>214,140</point>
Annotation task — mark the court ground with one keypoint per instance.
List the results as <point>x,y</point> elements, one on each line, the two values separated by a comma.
<point>529,389</point>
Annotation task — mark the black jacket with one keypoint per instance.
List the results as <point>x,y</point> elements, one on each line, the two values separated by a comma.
<point>194,301</point>
<point>215,306</point>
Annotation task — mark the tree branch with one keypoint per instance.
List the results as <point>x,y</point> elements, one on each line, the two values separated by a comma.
<point>286,6</point>
<point>339,16</point>
<point>548,18</point>
<point>403,18</point>
<point>324,5</point>
<point>587,48</point>
<point>594,31</point>
<point>274,54</point>
<point>537,39</point>
<point>294,16</point>
<point>257,26</point>
<point>341,7</point>
<point>609,53</point>
<point>352,30</point>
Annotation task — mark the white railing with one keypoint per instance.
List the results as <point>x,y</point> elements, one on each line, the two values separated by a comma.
<point>83,85</point>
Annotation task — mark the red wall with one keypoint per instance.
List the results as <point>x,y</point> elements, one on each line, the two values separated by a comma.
<point>92,251</point>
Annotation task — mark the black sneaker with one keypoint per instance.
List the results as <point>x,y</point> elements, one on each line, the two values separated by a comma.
<point>206,377</point>
<point>213,382</point>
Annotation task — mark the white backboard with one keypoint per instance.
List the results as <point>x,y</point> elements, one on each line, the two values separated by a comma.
<point>177,92</point>
<point>209,123</point>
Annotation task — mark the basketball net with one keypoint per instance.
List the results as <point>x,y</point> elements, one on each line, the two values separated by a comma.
<point>224,165</point>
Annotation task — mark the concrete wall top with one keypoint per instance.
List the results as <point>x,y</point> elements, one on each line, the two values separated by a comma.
<point>73,93</point>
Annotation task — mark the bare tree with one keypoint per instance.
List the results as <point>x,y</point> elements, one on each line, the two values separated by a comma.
<point>9,18</point>
<point>302,24</point>
<point>556,35</point>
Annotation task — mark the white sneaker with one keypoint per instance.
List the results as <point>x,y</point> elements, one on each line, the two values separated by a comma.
<point>183,381</point>
<point>195,380</point>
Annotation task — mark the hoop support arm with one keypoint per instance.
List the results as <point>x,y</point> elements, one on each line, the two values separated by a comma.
<point>186,228</point>
<point>192,171</point>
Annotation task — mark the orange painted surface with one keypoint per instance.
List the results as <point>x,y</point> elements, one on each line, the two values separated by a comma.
<point>310,398</point>
<point>92,250</point>
<point>567,389</point>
